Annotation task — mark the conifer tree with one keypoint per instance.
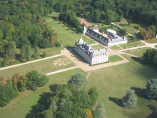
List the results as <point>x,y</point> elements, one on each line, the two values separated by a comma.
<point>151,88</point>
<point>129,101</point>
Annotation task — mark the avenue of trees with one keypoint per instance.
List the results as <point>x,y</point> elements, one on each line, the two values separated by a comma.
<point>9,89</point>
<point>70,101</point>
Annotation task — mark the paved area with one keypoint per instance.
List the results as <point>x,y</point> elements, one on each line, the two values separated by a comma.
<point>85,66</point>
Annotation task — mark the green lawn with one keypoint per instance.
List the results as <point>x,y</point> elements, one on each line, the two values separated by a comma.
<point>49,51</point>
<point>129,28</point>
<point>112,82</point>
<point>137,52</point>
<point>97,47</point>
<point>115,58</point>
<point>65,36</point>
<point>132,44</point>
<point>20,106</point>
<point>115,47</point>
<point>151,40</point>
<point>156,46</point>
<point>44,67</point>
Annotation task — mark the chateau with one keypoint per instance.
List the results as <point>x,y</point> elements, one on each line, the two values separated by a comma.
<point>89,54</point>
<point>108,38</point>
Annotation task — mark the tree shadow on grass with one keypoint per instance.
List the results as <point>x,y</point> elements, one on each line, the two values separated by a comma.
<point>53,87</point>
<point>41,105</point>
<point>116,101</point>
<point>140,92</point>
<point>154,112</point>
<point>139,60</point>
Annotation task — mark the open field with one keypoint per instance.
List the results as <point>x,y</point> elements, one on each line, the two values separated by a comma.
<point>20,106</point>
<point>65,36</point>
<point>156,46</point>
<point>112,82</point>
<point>115,47</point>
<point>49,51</point>
<point>129,28</point>
<point>97,47</point>
<point>151,40</point>
<point>132,44</point>
<point>137,52</point>
<point>114,58</point>
<point>44,66</point>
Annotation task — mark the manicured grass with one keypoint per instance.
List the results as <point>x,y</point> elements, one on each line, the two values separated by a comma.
<point>97,47</point>
<point>129,28</point>
<point>20,106</point>
<point>137,52</point>
<point>156,46</point>
<point>65,36</point>
<point>44,66</point>
<point>49,51</point>
<point>112,82</point>
<point>132,44</point>
<point>115,47</point>
<point>151,40</point>
<point>114,58</point>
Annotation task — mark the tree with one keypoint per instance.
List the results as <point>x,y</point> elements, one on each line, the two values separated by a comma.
<point>36,52</point>
<point>153,27</point>
<point>122,32</point>
<point>22,83</point>
<point>44,54</point>
<point>10,49</point>
<point>16,79</point>
<point>7,93</point>
<point>96,16</point>
<point>99,112</point>
<point>5,60</point>
<point>78,80</point>
<point>151,88</point>
<point>25,53</point>
<point>28,53</point>
<point>42,80</point>
<point>129,101</point>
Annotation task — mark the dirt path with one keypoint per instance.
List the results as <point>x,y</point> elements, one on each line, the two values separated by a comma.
<point>85,66</point>
<point>63,70</point>
<point>30,62</point>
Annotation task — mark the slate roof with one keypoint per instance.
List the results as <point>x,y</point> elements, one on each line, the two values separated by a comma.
<point>97,35</point>
<point>89,50</point>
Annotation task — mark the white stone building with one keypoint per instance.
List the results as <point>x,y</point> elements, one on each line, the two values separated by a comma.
<point>115,39</point>
<point>110,37</point>
<point>89,54</point>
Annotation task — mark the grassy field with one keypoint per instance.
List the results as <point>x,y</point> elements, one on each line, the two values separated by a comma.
<point>137,52</point>
<point>20,106</point>
<point>129,28</point>
<point>112,82</point>
<point>115,47</point>
<point>65,36</point>
<point>156,46</point>
<point>44,67</point>
<point>132,44</point>
<point>115,58</point>
<point>151,41</point>
<point>49,51</point>
<point>97,47</point>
